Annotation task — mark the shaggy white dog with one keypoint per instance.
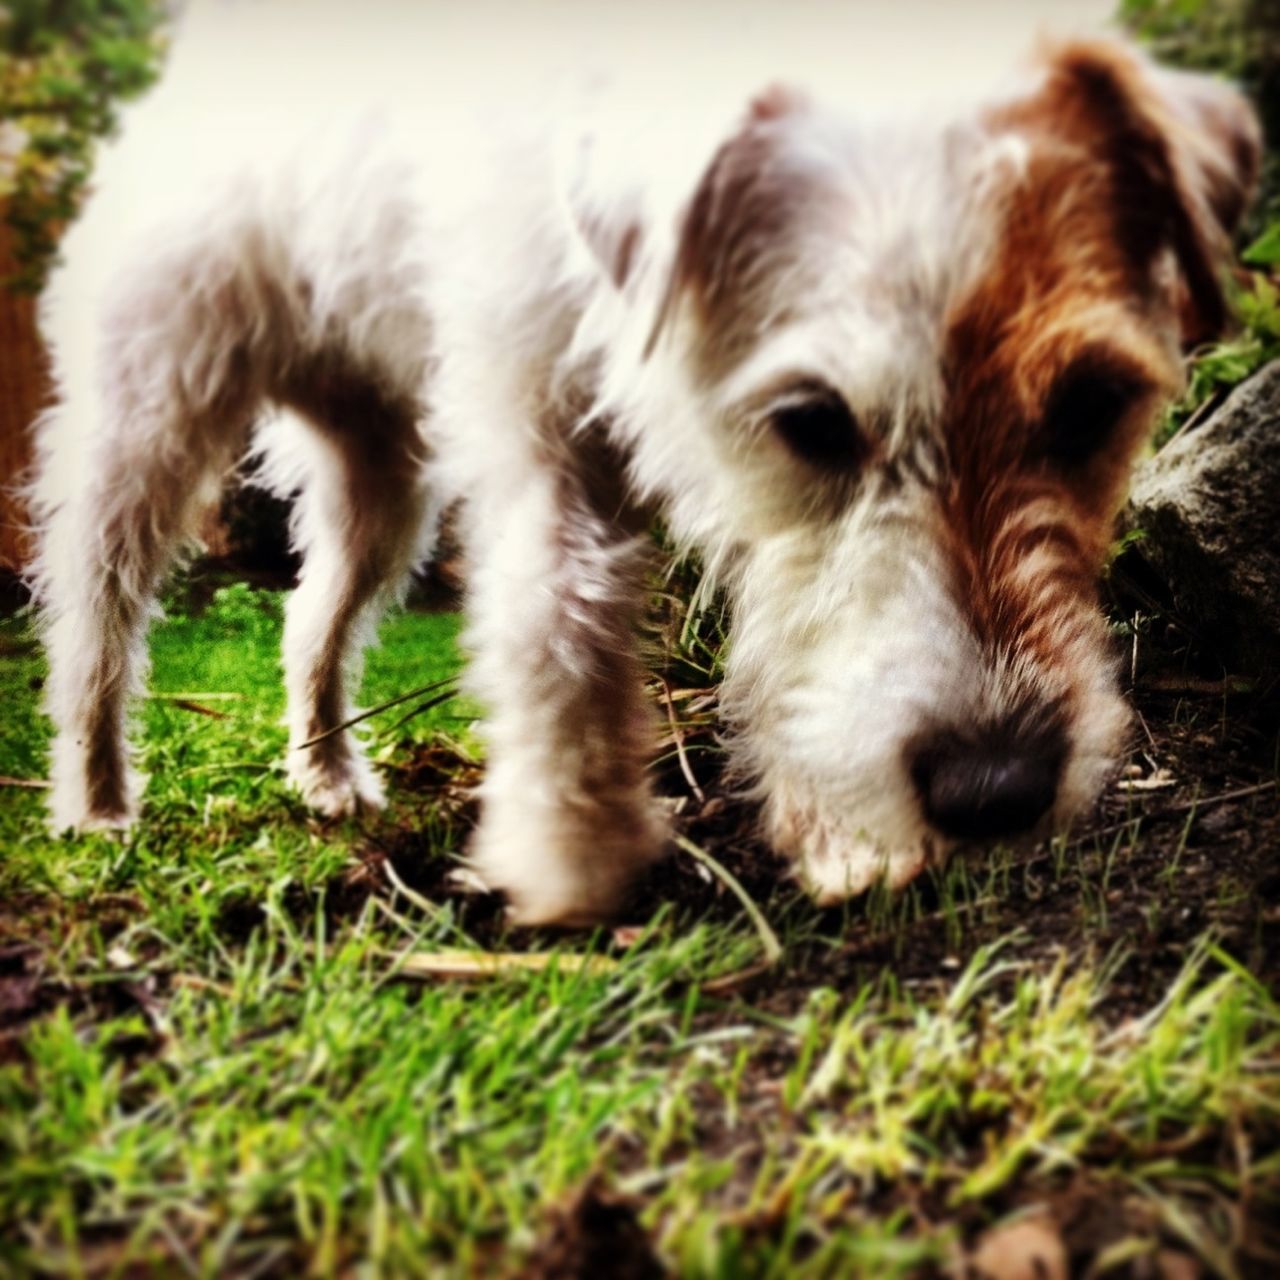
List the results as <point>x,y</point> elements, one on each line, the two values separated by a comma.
<point>886,376</point>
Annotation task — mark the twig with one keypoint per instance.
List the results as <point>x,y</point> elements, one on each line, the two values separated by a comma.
<point>187,705</point>
<point>54,107</point>
<point>31,784</point>
<point>437,701</point>
<point>678,737</point>
<point>492,964</point>
<point>1133,656</point>
<point>1197,416</point>
<point>731,982</point>
<point>373,711</point>
<point>196,983</point>
<point>1183,806</point>
<point>1206,801</point>
<point>1229,685</point>
<point>768,939</point>
<point>1142,720</point>
<point>221,766</point>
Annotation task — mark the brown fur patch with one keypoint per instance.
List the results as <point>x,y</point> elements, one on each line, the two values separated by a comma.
<point>1172,158</point>
<point>1072,313</point>
<point>737,228</point>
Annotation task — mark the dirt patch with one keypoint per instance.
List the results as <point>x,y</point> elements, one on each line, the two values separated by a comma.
<point>594,1236</point>
<point>33,928</point>
<point>1192,845</point>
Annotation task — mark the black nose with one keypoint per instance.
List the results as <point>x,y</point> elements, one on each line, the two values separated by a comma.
<point>986,789</point>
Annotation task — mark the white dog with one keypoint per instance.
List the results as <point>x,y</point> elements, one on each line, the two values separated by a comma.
<point>885,377</point>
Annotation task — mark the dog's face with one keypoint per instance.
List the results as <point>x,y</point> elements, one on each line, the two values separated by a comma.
<point>897,387</point>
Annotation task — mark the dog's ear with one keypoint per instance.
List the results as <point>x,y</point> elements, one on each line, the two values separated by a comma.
<point>739,213</point>
<point>1181,153</point>
<point>1220,139</point>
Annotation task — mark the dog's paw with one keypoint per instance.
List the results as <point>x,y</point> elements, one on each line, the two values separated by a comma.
<point>563,873</point>
<point>564,910</point>
<point>467,881</point>
<point>834,861</point>
<point>544,891</point>
<point>70,821</point>
<point>345,790</point>
<point>77,807</point>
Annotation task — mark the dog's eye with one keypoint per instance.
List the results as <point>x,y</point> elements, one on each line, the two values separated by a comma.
<point>1083,412</point>
<point>817,425</point>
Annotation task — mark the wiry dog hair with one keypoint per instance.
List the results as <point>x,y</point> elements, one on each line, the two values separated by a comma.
<point>886,378</point>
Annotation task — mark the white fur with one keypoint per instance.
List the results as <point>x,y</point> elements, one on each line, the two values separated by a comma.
<point>438,232</point>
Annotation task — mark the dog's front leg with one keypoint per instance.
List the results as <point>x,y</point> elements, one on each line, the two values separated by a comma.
<point>567,816</point>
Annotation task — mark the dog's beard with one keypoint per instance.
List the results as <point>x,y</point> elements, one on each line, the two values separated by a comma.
<point>835,675</point>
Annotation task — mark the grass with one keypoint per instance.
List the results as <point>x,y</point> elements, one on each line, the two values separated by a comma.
<point>214,1060</point>
<point>214,772</point>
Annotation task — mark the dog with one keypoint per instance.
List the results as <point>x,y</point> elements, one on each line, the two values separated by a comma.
<point>886,379</point>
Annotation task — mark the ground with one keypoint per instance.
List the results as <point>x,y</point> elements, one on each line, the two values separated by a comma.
<point>244,1041</point>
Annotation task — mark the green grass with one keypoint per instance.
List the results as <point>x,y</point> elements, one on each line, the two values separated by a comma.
<point>219,775</point>
<point>209,1092</point>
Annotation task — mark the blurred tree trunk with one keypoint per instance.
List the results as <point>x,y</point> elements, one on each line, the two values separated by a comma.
<point>23,389</point>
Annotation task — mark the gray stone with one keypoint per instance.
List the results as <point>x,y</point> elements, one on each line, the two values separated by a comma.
<point>1209,504</point>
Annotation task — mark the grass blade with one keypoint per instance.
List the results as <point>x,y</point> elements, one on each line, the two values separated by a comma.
<point>373,711</point>
<point>768,939</point>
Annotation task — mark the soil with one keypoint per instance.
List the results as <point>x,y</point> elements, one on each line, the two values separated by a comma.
<point>595,1234</point>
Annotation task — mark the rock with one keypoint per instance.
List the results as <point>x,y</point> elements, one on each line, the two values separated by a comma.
<point>1209,504</point>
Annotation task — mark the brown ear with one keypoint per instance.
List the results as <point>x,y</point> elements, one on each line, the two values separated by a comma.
<point>1220,139</point>
<point>1181,154</point>
<point>738,214</point>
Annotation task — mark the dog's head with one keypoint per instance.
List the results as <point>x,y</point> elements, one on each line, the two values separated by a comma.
<point>892,384</point>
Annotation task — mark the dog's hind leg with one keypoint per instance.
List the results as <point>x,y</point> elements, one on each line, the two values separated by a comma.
<point>361,511</point>
<point>128,460</point>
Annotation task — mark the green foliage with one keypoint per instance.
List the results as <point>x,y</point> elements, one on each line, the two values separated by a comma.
<point>1223,365</point>
<point>64,67</point>
<point>239,610</point>
<point>1265,250</point>
<point>1216,35</point>
<point>1236,39</point>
